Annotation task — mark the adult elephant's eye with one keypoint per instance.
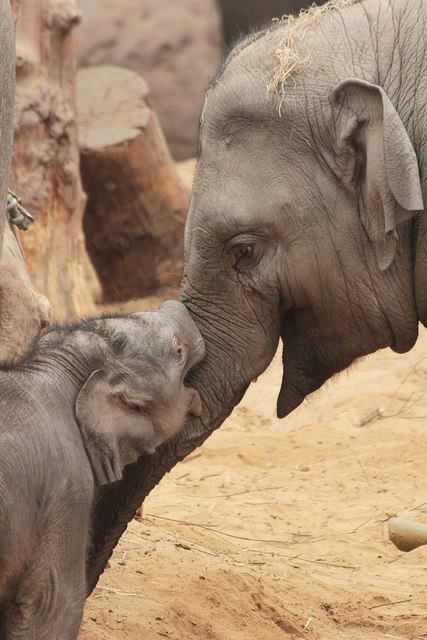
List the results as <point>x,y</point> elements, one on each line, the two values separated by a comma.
<point>242,252</point>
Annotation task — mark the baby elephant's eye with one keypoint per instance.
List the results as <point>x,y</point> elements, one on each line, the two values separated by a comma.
<point>133,406</point>
<point>242,252</point>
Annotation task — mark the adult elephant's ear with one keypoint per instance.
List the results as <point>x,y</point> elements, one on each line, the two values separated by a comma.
<point>390,188</point>
<point>115,430</point>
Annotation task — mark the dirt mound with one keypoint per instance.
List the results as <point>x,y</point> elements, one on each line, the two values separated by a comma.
<point>277,529</point>
<point>177,57</point>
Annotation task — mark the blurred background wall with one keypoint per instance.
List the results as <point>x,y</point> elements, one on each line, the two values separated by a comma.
<point>176,51</point>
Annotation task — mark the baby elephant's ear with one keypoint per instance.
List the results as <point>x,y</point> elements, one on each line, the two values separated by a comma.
<point>114,433</point>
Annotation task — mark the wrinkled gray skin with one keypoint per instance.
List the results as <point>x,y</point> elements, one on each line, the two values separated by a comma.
<point>89,400</point>
<point>318,194</point>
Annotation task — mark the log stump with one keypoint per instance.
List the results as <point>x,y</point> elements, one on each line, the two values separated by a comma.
<point>136,208</point>
<point>45,165</point>
<point>176,46</point>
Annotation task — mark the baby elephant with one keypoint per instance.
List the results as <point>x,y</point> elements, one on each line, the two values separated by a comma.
<point>90,399</point>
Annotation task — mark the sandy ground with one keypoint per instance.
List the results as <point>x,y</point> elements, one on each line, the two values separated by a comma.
<point>277,529</point>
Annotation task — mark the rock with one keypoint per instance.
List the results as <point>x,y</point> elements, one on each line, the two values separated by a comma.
<point>175,46</point>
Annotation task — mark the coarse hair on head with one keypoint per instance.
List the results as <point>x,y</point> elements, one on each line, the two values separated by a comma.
<point>288,61</point>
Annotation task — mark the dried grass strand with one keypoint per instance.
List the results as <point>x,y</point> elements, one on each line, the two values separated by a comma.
<point>288,59</point>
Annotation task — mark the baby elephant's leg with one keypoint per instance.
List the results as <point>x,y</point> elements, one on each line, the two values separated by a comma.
<point>48,602</point>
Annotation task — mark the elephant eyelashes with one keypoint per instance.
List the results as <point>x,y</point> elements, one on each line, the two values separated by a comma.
<point>133,406</point>
<point>242,252</point>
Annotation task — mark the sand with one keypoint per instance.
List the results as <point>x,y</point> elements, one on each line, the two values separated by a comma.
<point>276,530</point>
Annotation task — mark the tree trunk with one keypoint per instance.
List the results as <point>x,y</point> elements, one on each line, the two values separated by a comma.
<point>16,5</point>
<point>135,214</point>
<point>7,84</point>
<point>46,159</point>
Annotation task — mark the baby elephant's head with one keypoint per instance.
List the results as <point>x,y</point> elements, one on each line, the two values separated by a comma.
<point>137,399</point>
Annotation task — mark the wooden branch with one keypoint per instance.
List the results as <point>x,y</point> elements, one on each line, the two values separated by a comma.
<point>135,214</point>
<point>45,164</point>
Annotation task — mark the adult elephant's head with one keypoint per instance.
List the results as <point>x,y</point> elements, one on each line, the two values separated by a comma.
<point>300,224</point>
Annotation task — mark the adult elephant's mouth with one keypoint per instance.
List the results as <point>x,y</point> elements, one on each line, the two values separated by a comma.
<point>404,343</point>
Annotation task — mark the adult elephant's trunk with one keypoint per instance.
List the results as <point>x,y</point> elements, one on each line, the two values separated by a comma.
<point>220,387</point>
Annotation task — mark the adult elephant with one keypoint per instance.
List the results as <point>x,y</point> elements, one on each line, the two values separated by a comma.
<point>306,220</point>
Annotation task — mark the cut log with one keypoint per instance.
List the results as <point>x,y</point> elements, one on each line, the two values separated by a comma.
<point>407,535</point>
<point>45,164</point>
<point>136,208</point>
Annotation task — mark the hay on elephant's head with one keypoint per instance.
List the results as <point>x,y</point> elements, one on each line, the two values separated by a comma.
<point>288,61</point>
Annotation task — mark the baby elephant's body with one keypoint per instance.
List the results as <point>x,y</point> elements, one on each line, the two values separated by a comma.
<point>89,400</point>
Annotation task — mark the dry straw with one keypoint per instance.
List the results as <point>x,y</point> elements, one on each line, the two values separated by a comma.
<point>288,59</point>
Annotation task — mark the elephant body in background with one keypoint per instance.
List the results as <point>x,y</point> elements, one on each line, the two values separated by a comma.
<point>307,218</point>
<point>240,17</point>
